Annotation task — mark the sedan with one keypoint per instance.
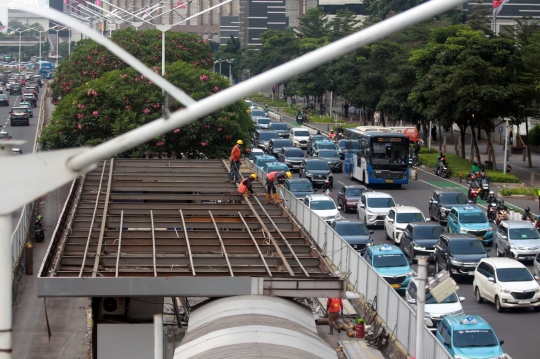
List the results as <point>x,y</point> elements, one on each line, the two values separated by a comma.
<point>332,157</point>
<point>442,201</point>
<point>299,187</point>
<point>4,100</point>
<point>355,233</point>
<point>349,196</point>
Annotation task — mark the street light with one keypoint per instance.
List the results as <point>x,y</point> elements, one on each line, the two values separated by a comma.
<point>57,41</point>
<point>20,34</point>
<point>40,31</point>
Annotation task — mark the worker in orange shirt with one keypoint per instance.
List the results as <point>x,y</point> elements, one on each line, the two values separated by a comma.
<point>236,155</point>
<point>332,135</point>
<point>245,188</point>
<point>334,307</point>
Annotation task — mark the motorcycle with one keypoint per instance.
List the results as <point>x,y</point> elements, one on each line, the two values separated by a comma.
<point>484,183</point>
<point>492,212</point>
<point>473,194</point>
<point>502,215</point>
<point>301,118</point>
<point>328,193</point>
<point>443,170</point>
<point>39,233</point>
<point>415,161</point>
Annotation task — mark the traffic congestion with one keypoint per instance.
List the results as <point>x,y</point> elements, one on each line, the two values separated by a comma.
<point>358,181</point>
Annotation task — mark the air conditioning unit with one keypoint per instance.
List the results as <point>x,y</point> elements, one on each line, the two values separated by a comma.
<point>113,305</point>
<point>111,27</point>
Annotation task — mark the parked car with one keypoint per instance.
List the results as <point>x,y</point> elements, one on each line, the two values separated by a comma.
<point>19,116</point>
<point>292,157</point>
<point>281,128</point>
<point>469,337</point>
<point>317,171</point>
<point>264,122</point>
<point>312,139</point>
<point>276,144</point>
<point>442,201</point>
<point>275,166</point>
<point>373,207</point>
<point>4,100</point>
<point>398,218</point>
<point>299,187</point>
<point>506,283</point>
<point>349,196</point>
<point>332,157</point>
<point>470,219</point>
<point>458,254</point>
<point>262,137</point>
<point>521,236</point>
<point>420,238</point>
<point>434,311</point>
<point>299,137</point>
<point>323,206</point>
<point>28,106</point>
<point>390,262</point>
<point>355,233</point>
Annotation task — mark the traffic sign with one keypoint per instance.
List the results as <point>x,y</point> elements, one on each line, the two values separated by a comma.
<point>500,129</point>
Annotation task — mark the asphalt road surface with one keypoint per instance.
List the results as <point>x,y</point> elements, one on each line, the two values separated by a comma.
<point>515,327</point>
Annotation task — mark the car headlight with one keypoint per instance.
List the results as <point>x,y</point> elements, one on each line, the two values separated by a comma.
<point>512,246</point>
<point>307,174</point>
<point>457,312</point>
<point>408,274</point>
<point>456,263</point>
<point>287,161</point>
<point>506,290</point>
<point>463,231</point>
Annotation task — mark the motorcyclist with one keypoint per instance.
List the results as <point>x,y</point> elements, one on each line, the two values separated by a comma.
<point>332,135</point>
<point>527,215</point>
<point>416,148</point>
<point>501,206</point>
<point>39,235</point>
<point>318,132</point>
<point>340,129</point>
<point>473,185</point>
<point>475,169</point>
<point>266,109</point>
<point>507,252</point>
<point>491,198</point>
<point>326,187</point>
<point>438,165</point>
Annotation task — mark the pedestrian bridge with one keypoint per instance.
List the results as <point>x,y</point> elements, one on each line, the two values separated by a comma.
<point>14,41</point>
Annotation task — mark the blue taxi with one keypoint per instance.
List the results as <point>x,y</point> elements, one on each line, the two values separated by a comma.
<point>469,337</point>
<point>472,220</point>
<point>275,167</point>
<point>261,161</point>
<point>390,262</point>
<point>323,145</point>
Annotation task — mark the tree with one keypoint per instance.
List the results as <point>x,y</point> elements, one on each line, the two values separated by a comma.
<point>343,24</point>
<point>314,24</point>
<point>121,100</point>
<point>63,48</point>
<point>480,18</point>
<point>382,9</point>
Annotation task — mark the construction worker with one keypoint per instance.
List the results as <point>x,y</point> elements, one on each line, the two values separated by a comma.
<point>245,187</point>
<point>271,179</point>
<point>334,307</point>
<point>236,155</point>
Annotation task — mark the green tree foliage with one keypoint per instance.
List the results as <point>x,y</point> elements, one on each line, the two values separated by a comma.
<point>121,100</point>
<point>314,24</point>
<point>90,60</point>
<point>381,9</point>
<point>480,18</point>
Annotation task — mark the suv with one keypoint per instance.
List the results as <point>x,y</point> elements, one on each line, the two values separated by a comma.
<point>390,262</point>
<point>299,187</point>
<point>20,115</point>
<point>434,311</point>
<point>317,171</point>
<point>323,145</point>
<point>311,141</point>
<point>470,219</point>
<point>292,157</point>
<point>261,138</point>
<point>420,239</point>
<point>521,236</point>
<point>299,137</point>
<point>349,196</point>
<point>398,218</point>
<point>30,97</point>
<point>264,122</point>
<point>332,157</point>
<point>506,283</point>
<point>281,128</point>
<point>373,207</point>
<point>469,337</point>
<point>323,206</point>
<point>442,201</point>
<point>276,144</point>
<point>15,88</point>
<point>356,234</point>
<point>458,254</point>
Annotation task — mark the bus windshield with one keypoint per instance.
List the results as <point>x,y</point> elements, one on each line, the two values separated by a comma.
<point>389,153</point>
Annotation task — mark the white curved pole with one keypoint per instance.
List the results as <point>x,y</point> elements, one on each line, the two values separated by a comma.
<point>57,16</point>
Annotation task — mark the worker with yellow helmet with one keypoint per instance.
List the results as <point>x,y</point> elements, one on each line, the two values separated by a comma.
<point>236,155</point>
<point>273,178</point>
<point>245,187</point>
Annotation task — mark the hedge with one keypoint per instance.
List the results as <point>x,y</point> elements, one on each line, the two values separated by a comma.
<point>458,164</point>
<point>528,191</point>
<point>534,135</point>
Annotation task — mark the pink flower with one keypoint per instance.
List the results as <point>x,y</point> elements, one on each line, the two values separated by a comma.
<point>204,143</point>
<point>142,77</point>
<point>85,72</point>
<point>59,133</point>
<point>94,93</point>
<point>207,126</point>
<point>220,128</point>
<point>203,78</point>
<point>128,107</point>
<point>95,113</point>
<point>248,150</point>
<point>176,131</point>
<point>79,116</point>
<point>150,82</point>
<point>79,126</point>
<point>137,79</point>
<point>156,105</point>
<point>146,111</point>
<point>160,143</point>
<point>81,105</point>
<point>228,137</point>
<point>216,89</point>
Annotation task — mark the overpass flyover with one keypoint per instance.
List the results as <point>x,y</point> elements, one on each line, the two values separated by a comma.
<point>14,41</point>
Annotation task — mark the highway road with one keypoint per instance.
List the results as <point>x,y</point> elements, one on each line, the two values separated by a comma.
<point>515,327</point>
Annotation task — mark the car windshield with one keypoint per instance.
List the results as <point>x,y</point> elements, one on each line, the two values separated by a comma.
<point>328,154</point>
<point>25,104</point>
<point>351,229</point>
<point>473,246</point>
<point>453,198</point>
<point>325,146</point>
<point>475,217</point>
<point>452,298</point>
<point>294,152</point>
<point>354,192</point>
<point>514,275</point>
<point>301,186</point>
<point>249,103</point>
<point>428,232</point>
<point>475,338</point>
<point>381,202</point>
<point>301,133</point>
<point>3,96</point>
<point>263,121</point>
<point>317,165</point>
<point>389,260</point>
<point>524,233</point>
<point>279,127</point>
<point>282,143</point>
<point>20,110</point>
<point>410,217</point>
<point>255,113</point>
<point>3,135</point>
<point>267,136</point>
<point>262,161</point>
<point>317,138</point>
<point>322,205</point>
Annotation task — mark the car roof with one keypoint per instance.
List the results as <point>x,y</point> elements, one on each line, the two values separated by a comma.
<point>319,197</point>
<point>296,180</point>
<point>385,249</point>
<point>406,209</point>
<point>455,322</point>
<point>355,186</point>
<point>325,141</point>
<point>314,160</point>
<point>20,106</point>
<point>348,221</point>
<point>467,208</point>
<point>441,191</point>
<point>425,224</point>
<point>377,195</point>
<point>455,236</point>
<point>503,262</point>
<point>299,129</point>
<point>518,224</point>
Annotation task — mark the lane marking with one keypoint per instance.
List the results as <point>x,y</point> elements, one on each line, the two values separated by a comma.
<point>343,184</point>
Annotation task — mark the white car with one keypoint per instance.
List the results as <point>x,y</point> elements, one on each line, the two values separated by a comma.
<point>506,283</point>
<point>434,312</point>
<point>373,207</point>
<point>299,137</point>
<point>521,236</point>
<point>264,122</point>
<point>323,206</point>
<point>398,218</point>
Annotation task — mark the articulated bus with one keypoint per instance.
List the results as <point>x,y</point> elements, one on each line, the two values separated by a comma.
<point>378,156</point>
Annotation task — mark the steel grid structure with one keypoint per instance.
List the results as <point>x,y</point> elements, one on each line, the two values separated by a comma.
<point>177,218</point>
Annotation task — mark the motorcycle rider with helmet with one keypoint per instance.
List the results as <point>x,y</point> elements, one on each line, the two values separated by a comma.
<point>326,188</point>
<point>475,169</point>
<point>491,199</point>
<point>39,234</point>
<point>527,215</point>
<point>473,186</point>
<point>507,252</point>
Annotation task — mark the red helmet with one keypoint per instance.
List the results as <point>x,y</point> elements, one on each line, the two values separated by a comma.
<point>473,177</point>
<point>443,159</point>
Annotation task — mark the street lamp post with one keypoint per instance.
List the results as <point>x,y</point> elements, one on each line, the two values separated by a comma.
<point>57,42</point>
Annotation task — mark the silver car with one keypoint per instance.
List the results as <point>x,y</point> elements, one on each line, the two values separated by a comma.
<point>521,236</point>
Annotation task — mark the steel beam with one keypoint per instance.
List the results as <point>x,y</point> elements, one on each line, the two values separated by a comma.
<point>187,242</point>
<point>104,219</point>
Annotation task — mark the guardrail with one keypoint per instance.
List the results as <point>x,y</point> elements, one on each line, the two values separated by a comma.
<point>391,307</point>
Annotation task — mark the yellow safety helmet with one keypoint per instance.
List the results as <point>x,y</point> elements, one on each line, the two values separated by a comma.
<point>253,176</point>
<point>289,174</point>
<point>240,142</point>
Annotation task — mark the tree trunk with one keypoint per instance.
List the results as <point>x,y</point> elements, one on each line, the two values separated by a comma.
<point>475,144</point>
<point>440,138</point>
<point>491,150</point>
<point>365,115</point>
<point>462,130</point>
<point>424,132</point>
<point>527,144</point>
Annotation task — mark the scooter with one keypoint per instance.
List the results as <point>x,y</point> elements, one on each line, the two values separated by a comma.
<point>415,161</point>
<point>484,182</point>
<point>301,118</point>
<point>492,211</point>
<point>443,170</point>
<point>502,216</point>
<point>473,194</point>
<point>39,233</point>
<point>328,193</point>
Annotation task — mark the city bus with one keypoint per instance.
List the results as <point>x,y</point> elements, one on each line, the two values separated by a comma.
<point>45,69</point>
<point>379,157</point>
